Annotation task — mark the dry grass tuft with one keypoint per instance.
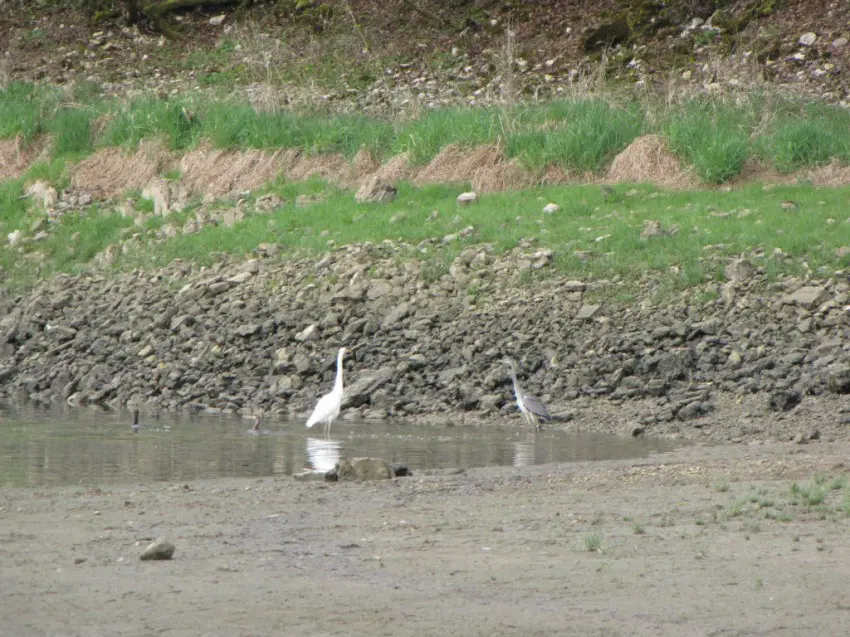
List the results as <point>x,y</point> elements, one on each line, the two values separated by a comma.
<point>14,159</point>
<point>218,173</point>
<point>111,171</point>
<point>648,160</point>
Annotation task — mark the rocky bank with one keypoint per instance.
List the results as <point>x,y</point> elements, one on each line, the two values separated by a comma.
<point>263,332</point>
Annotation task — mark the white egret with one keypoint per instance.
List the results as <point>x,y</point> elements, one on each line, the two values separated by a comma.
<point>530,407</point>
<point>327,409</point>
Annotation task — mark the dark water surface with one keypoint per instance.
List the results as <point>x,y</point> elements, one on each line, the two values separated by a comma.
<point>83,446</point>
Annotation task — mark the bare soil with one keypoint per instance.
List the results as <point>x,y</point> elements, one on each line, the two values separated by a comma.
<point>679,544</point>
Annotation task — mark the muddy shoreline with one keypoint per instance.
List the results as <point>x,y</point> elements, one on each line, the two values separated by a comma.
<point>701,540</point>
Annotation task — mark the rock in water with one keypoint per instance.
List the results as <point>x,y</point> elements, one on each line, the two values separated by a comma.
<point>363,469</point>
<point>159,549</point>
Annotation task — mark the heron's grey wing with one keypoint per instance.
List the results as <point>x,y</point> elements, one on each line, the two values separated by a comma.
<point>536,407</point>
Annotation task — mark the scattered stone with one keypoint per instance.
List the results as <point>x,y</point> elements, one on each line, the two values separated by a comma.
<point>784,400</point>
<point>43,194</point>
<point>307,334</point>
<point>396,315</point>
<point>809,297</point>
<point>804,437</point>
<point>587,312</point>
<point>808,39</point>
<point>249,329</point>
<point>159,549</point>
<point>541,259</point>
<point>551,208</point>
<point>652,228</point>
<point>268,202</point>
<point>240,277</point>
<point>268,250</point>
<point>634,430</point>
<point>218,287</point>
<point>466,198</point>
<point>360,391</point>
<point>789,205</point>
<point>838,380</point>
<point>217,20</point>
<point>159,192</point>
<point>740,270</point>
<point>375,190</point>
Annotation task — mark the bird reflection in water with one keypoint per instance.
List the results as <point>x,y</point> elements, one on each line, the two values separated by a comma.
<point>524,453</point>
<point>323,453</point>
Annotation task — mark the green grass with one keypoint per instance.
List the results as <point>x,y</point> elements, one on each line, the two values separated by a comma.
<point>721,486</point>
<point>71,129</point>
<point>582,135</point>
<point>694,256</point>
<point>23,110</point>
<point>711,136</point>
<point>810,135</point>
<point>593,543</point>
<point>423,138</point>
<point>150,118</point>
<point>825,497</point>
<point>715,136</point>
<point>596,234</point>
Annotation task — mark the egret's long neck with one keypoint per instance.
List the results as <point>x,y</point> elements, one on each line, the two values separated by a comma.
<point>338,382</point>
<point>517,389</point>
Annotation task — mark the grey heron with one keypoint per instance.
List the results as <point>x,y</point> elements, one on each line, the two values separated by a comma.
<point>530,407</point>
<point>327,409</point>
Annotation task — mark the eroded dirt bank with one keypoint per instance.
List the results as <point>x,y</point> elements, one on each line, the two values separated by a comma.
<point>264,332</point>
<point>707,540</point>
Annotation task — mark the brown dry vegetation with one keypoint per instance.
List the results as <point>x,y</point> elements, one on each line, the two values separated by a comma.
<point>15,158</point>
<point>648,160</point>
<point>110,172</point>
<point>214,173</point>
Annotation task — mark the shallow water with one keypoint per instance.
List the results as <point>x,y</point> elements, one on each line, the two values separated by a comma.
<point>67,447</point>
